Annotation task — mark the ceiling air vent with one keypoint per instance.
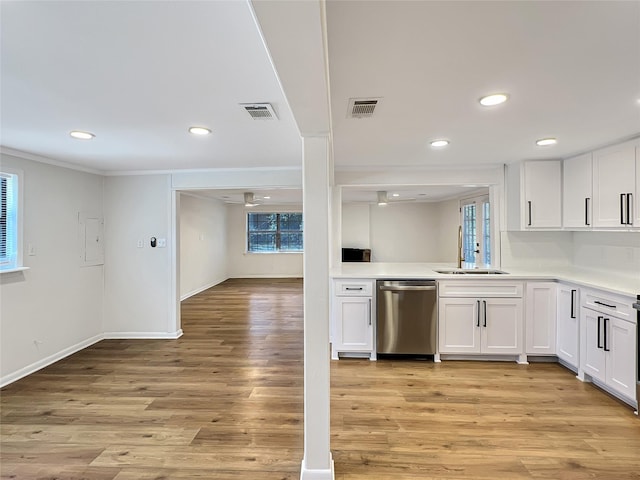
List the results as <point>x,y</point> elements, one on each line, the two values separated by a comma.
<point>362,107</point>
<point>260,111</point>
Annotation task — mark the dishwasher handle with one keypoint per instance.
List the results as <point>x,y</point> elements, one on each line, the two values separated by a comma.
<point>406,288</point>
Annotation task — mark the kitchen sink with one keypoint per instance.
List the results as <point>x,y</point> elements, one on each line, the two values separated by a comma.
<point>475,271</point>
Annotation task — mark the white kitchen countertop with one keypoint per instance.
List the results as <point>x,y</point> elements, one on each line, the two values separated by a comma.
<point>604,280</point>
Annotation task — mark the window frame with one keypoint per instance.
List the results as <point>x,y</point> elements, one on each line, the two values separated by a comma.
<point>18,264</point>
<point>277,212</point>
<point>482,236</point>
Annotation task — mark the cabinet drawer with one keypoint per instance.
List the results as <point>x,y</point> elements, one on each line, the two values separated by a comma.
<point>482,288</point>
<point>353,288</point>
<point>615,305</point>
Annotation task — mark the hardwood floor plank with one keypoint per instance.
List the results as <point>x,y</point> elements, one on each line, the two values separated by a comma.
<point>225,402</point>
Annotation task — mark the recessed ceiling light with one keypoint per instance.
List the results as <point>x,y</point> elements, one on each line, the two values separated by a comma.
<point>545,142</point>
<point>493,99</point>
<point>440,143</point>
<point>81,135</point>
<point>267,197</point>
<point>395,194</point>
<point>199,130</point>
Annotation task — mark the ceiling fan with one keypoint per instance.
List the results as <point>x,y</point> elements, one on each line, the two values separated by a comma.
<point>383,198</point>
<point>250,200</point>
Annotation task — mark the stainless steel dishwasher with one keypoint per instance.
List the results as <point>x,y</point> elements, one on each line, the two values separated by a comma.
<point>407,317</point>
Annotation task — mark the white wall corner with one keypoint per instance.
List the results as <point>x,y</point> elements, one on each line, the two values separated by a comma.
<point>202,289</point>
<point>51,359</point>
<point>310,474</point>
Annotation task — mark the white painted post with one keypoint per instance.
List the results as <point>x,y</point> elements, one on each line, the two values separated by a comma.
<point>317,463</point>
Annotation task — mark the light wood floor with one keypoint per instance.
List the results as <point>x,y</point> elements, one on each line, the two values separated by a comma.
<point>225,402</point>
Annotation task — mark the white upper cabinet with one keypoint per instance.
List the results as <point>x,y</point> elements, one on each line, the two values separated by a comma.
<point>534,195</point>
<point>577,200</point>
<point>543,194</point>
<point>614,186</point>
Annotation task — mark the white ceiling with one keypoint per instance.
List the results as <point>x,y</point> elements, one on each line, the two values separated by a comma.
<point>572,70</point>
<point>293,196</point>
<point>138,74</point>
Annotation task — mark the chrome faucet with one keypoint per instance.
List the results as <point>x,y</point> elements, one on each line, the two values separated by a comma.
<point>460,259</point>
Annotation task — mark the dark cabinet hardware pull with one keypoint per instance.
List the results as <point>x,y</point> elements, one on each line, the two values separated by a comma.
<point>484,305</point>
<point>604,304</point>
<point>599,320</point>
<point>629,209</point>
<point>370,312</point>
<point>353,288</point>
<point>573,301</point>
<point>586,211</point>
<point>529,203</point>
<point>606,346</point>
<point>622,221</point>
<point>478,305</point>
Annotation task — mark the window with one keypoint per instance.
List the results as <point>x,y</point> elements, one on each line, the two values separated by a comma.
<point>476,230</point>
<point>274,232</point>
<point>8,221</point>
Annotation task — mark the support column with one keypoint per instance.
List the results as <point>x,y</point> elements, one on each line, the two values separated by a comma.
<point>317,463</point>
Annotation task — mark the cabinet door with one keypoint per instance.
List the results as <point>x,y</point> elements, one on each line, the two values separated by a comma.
<point>592,354</point>
<point>458,320</point>
<point>354,325</point>
<point>501,330</point>
<point>636,205</point>
<point>542,194</point>
<point>568,331</point>
<point>613,175</point>
<point>620,368</point>
<point>577,202</point>
<point>540,318</point>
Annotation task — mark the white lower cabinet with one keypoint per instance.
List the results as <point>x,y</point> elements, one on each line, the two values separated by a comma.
<point>568,325</point>
<point>540,318</point>
<point>608,344</point>
<point>353,318</point>
<point>483,324</point>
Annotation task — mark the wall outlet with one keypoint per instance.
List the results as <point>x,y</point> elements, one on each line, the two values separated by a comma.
<point>140,243</point>
<point>162,242</point>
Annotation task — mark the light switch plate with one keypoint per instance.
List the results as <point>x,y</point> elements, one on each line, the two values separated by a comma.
<point>31,250</point>
<point>140,243</point>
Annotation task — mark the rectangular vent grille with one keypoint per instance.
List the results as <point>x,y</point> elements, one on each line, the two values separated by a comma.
<point>260,111</point>
<point>362,107</point>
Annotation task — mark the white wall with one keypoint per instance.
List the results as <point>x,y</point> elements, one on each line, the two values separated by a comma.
<point>56,302</point>
<point>355,226</point>
<point>617,252</point>
<point>403,232</point>
<point>138,297</point>
<point>536,249</point>
<point>447,230</point>
<point>245,265</point>
<point>203,244</point>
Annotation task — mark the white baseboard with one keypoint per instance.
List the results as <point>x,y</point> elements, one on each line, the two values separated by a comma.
<point>143,335</point>
<point>201,289</point>
<point>268,275</point>
<point>317,474</point>
<point>45,362</point>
